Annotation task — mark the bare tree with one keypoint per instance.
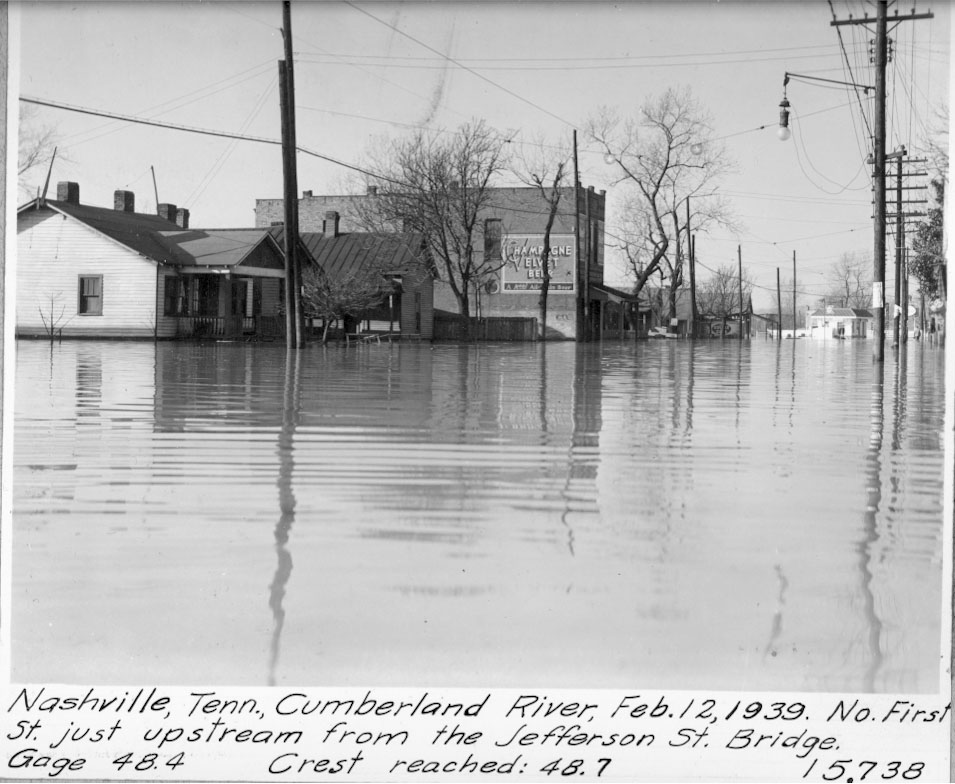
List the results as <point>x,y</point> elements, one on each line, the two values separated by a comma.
<point>850,281</point>
<point>54,318</point>
<point>439,184</point>
<point>936,145</point>
<point>718,295</point>
<point>668,155</point>
<point>36,145</point>
<point>546,168</point>
<point>333,298</point>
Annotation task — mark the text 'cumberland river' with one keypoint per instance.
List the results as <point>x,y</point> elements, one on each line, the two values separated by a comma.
<point>666,514</point>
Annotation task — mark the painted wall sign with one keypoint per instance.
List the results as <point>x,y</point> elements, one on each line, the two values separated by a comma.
<point>523,269</point>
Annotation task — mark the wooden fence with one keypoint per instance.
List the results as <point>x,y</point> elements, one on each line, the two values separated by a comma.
<point>456,328</point>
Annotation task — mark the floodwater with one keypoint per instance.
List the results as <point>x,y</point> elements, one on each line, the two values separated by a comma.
<point>660,514</point>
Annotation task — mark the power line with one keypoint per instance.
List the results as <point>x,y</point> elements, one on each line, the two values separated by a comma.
<point>203,131</point>
<point>460,65</point>
<point>564,66</point>
<point>179,102</point>
<point>210,176</point>
<point>851,78</point>
<point>571,58</point>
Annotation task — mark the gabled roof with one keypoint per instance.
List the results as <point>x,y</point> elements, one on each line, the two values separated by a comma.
<point>163,241</point>
<point>219,247</point>
<point>356,252</point>
<point>142,233</point>
<point>612,294</point>
<point>842,312</point>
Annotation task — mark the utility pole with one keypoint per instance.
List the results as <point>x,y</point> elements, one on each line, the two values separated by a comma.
<point>581,291</point>
<point>878,159</point>
<point>779,308</point>
<point>904,336</point>
<point>795,309</point>
<point>904,210</point>
<point>294,314</point>
<point>696,312</point>
<point>739,261</point>
<point>691,251</point>
<point>898,155</point>
<point>878,271</point>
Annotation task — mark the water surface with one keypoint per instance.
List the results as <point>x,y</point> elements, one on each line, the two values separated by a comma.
<point>665,514</point>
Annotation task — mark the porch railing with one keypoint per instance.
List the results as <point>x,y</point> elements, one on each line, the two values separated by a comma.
<point>225,327</point>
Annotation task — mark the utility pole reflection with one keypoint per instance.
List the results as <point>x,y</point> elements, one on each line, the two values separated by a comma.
<point>284,449</point>
<point>873,479</point>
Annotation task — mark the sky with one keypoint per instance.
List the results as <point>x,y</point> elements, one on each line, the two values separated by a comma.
<point>365,71</point>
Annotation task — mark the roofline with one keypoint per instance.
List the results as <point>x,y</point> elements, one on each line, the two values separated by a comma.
<point>45,203</point>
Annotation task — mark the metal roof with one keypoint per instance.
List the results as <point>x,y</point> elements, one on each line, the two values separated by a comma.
<point>346,254</point>
<point>219,247</point>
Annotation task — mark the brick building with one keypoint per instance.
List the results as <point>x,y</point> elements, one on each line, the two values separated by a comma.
<point>512,230</point>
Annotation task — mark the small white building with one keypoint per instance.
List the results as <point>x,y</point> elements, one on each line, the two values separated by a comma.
<point>85,271</point>
<point>832,323</point>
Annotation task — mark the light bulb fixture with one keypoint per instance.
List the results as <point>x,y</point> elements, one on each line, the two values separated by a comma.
<point>783,132</point>
<point>696,148</point>
<point>609,159</point>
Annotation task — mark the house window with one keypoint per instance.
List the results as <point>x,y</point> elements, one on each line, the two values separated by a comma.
<point>91,295</point>
<point>176,299</point>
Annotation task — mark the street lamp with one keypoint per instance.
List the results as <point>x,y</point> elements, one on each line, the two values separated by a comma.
<point>783,131</point>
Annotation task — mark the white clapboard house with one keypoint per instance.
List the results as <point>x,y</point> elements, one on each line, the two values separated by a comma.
<point>85,271</point>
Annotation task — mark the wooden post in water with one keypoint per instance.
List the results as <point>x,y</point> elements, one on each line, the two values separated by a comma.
<point>779,308</point>
<point>739,259</point>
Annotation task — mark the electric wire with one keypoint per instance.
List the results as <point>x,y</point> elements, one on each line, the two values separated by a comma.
<point>461,65</point>
<point>209,177</point>
<point>561,66</point>
<point>852,77</point>
<point>178,102</point>
<point>202,131</point>
<point>800,143</point>
<point>572,58</point>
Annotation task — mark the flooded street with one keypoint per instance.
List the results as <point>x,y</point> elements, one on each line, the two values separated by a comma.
<point>663,513</point>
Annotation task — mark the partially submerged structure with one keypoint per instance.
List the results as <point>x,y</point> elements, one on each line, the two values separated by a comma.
<point>95,272</point>
<point>839,323</point>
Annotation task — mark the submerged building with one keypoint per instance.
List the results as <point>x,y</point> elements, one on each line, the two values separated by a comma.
<point>86,271</point>
<point>509,243</point>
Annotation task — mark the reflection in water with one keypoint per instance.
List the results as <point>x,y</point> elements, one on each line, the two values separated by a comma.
<point>283,568</point>
<point>533,515</point>
<point>870,535</point>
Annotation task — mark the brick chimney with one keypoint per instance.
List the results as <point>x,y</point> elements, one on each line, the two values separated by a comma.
<point>167,211</point>
<point>124,201</point>
<point>182,218</point>
<point>372,190</point>
<point>330,224</point>
<point>68,192</point>
<point>306,194</point>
